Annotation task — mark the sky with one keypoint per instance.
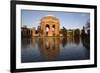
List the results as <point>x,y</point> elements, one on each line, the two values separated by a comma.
<point>69,20</point>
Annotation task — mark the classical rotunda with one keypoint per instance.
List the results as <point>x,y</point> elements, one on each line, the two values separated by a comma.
<point>49,26</point>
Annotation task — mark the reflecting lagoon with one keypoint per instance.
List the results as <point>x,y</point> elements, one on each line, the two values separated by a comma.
<point>41,49</point>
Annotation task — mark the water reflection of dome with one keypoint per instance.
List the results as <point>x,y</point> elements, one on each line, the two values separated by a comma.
<point>49,47</point>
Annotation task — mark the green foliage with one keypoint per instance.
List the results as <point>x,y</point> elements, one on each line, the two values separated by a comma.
<point>77,32</point>
<point>64,31</point>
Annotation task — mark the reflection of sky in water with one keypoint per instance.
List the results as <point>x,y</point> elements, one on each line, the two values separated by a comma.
<point>73,52</point>
<point>53,49</point>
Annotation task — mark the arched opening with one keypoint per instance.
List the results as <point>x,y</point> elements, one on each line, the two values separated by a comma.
<point>53,28</point>
<point>47,29</point>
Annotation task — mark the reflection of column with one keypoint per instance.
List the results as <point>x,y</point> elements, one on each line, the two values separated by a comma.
<point>49,47</point>
<point>69,40</point>
<point>57,42</point>
<point>33,42</point>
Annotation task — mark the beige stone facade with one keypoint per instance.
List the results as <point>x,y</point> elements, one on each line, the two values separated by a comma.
<point>49,26</point>
<point>33,32</point>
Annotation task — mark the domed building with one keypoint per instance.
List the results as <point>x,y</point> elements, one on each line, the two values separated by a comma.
<point>49,26</point>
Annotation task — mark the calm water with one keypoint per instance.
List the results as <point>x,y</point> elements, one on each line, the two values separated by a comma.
<point>39,49</point>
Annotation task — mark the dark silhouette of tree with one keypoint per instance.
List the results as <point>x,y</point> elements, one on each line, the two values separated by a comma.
<point>88,28</point>
<point>76,32</point>
<point>85,35</point>
<point>77,36</point>
<point>83,32</point>
<point>64,31</point>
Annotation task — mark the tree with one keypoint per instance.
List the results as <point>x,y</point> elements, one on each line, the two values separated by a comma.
<point>38,29</point>
<point>64,31</point>
<point>77,32</point>
<point>83,32</point>
<point>88,28</point>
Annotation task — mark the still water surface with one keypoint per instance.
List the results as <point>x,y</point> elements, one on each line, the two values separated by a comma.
<point>39,49</point>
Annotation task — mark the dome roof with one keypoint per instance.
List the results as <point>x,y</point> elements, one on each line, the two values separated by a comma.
<point>49,17</point>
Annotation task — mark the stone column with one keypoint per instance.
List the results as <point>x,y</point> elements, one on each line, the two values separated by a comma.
<point>50,31</point>
<point>33,32</point>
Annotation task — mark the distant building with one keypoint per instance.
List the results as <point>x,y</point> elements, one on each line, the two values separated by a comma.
<point>50,26</point>
<point>27,32</point>
<point>33,31</point>
<point>70,33</point>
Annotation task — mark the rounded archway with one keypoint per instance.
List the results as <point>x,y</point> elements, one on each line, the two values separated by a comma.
<point>50,26</point>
